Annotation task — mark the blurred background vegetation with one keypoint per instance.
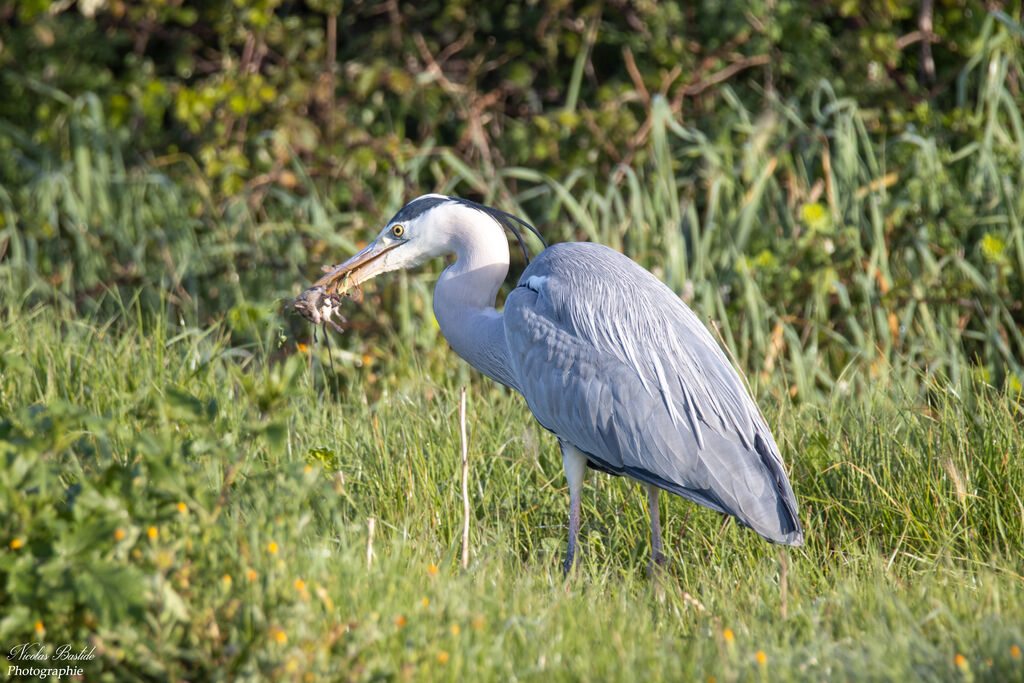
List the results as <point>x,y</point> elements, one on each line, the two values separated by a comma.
<point>835,182</point>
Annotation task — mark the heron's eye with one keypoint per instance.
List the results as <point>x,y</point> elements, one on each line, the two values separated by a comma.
<point>398,231</point>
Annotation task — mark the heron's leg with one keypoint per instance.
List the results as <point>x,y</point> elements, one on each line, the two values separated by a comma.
<point>575,463</point>
<point>657,556</point>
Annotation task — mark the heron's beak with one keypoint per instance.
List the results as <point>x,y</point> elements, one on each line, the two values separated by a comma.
<point>365,265</point>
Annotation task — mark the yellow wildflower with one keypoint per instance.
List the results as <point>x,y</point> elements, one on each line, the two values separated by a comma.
<point>960,661</point>
<point>16,543</point>
<point>992,248</point>
<point>152,532</point>
<point>272,548</point>
<point>442,657</point>
<point>119,535</point>
<point>815,217</point>
<point>728,635</point>
<point>761,657</point>
<point>182,508</point>
<point>432,570</point>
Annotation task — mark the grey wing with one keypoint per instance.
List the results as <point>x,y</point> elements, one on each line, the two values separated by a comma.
<point>609,359</point>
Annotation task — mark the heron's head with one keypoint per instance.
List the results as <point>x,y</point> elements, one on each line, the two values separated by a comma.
<point>426,227</point>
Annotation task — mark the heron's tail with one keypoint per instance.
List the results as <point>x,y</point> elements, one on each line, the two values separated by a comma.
<point>789,531</point>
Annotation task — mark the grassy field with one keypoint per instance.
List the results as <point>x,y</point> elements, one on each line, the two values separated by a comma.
<point>192,489</point>
<point>196,510</point>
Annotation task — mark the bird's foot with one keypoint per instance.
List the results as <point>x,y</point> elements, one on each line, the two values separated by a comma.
<point>656,572</point>
<point>656,567</point>
<point>568,565</point>
<point>570,570</point>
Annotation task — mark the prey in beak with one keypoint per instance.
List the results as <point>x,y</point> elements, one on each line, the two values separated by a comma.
<point>320,303</point>
<point>319,307</point>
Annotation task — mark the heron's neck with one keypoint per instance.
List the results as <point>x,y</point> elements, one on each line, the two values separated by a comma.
<point>464,305</point>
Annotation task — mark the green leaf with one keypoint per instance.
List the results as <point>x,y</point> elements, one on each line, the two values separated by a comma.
<point>113,593</point>
<point>182,405</point>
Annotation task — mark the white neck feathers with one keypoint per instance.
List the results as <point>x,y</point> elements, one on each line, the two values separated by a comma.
<point>465,293</point>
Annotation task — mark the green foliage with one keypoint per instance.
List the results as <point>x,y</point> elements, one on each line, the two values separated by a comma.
<point>553,86</point>
<point>205,516</point>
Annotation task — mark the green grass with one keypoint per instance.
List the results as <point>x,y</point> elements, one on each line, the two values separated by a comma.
<point>912,512</point>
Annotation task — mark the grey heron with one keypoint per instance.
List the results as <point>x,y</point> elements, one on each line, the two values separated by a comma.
<point>608,358</point>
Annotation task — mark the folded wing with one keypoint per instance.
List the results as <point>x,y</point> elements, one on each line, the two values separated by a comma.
<point>611,360</point>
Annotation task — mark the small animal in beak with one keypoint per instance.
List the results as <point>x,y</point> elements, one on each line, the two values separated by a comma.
<point>319,307</point>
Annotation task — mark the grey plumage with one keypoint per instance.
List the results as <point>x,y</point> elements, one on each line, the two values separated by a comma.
<point>607,357</point>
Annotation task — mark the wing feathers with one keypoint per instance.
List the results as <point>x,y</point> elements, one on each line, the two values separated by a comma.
<point>610,360</point>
